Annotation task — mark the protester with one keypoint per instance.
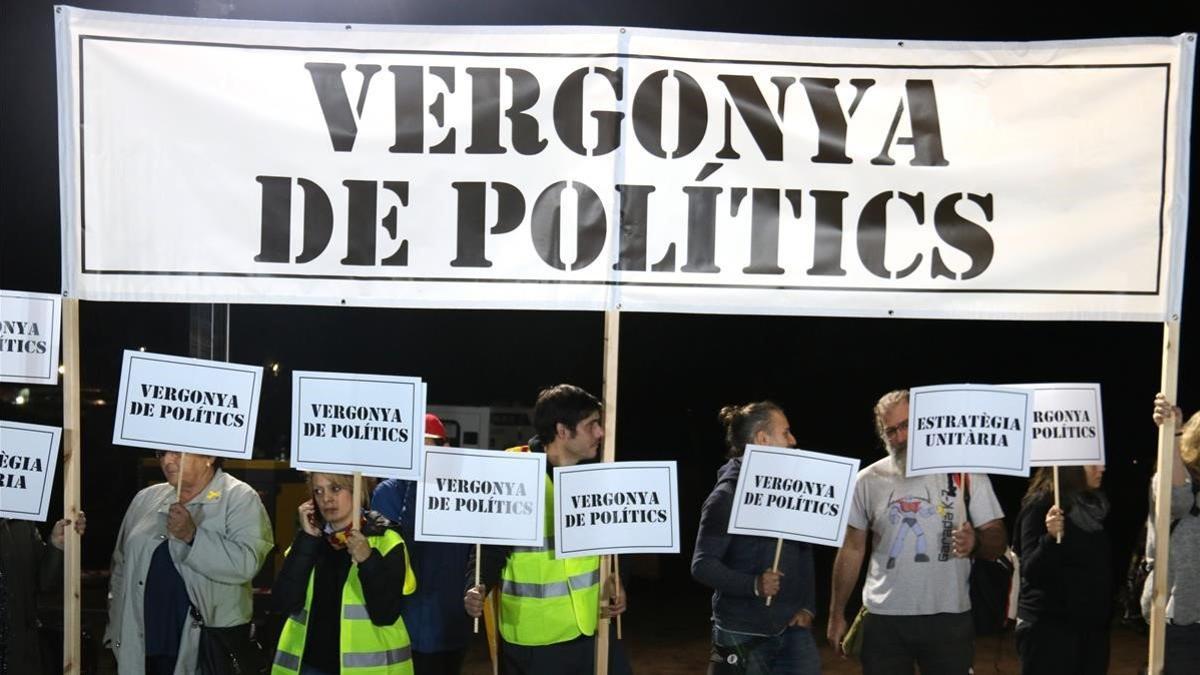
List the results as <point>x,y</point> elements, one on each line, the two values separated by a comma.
<point>182,561</point>
<point>28,566</point>
<point>916,595</point>
<point>341,588</point>
<point>749,636</point>
<point>1064,608</point>
<point>1182,653</point>
<point>548,606</point>
<point>439,630</point>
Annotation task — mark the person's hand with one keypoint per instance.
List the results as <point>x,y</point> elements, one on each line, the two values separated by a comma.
<point>180,524</point>
<point>308,518</point>
<point>1054,522</point>
<point>473,600</point>
<point>835,632</point>
<point>358,547</point>
<point>802,619</point>
<point>616,604</point>
<point>768,583</point>
<point>58,533</point>
<point>964,540</point>
<point>1163,408</point>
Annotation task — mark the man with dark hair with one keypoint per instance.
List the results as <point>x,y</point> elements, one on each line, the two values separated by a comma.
<point>549,607</point>
<point>916,596</point>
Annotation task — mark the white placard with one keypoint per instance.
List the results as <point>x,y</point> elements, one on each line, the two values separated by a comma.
<point>1068,424</point>
<point>29,336</point>
<point>966,428</point>
<point>616,507</point>
<point>793,494</point>
<point>182,404</point>
<point>342,423</point>
<point>311,164</point>
<point>481,497</point>
<point>28,457</point>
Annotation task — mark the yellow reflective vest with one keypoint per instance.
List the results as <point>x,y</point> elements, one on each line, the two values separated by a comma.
<point>544,600</point>
<point>365,648</point>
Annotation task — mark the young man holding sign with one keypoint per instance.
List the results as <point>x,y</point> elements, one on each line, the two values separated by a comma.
<point>549,607</point>
<point>916,596</point>
<point>750,636</point>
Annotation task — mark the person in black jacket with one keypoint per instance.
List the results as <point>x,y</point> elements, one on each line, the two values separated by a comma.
<point>748,635</point>
<point>1065,602</point>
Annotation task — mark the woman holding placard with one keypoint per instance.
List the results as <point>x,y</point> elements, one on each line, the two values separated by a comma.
<point>1065,603</point>
<point>1182,653</point>
<point>764,595</point>
<point>341,586</point>
<point>181,569</point>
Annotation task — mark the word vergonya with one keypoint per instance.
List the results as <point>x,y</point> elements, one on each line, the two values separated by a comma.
<point>802,500</point>
<point>356,432</point>
<point>21,337</point>
<point>763,122</point>
<point>183,413</point>
<point>1081,429</point>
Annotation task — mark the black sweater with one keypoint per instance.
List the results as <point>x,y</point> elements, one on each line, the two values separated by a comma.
<point>1068,581</point>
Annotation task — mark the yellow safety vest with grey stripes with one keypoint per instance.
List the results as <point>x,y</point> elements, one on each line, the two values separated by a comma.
<point>365,648</point>
<point>545,600</point>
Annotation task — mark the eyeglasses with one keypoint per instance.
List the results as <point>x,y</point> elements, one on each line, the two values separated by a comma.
<point>163,453</point>
<point>892,431</point>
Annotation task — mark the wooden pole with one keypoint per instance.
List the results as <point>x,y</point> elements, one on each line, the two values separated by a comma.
<point>356,513</point>
<point>775,565</point>
<point>1162,499</point>
<point>612,335</point>
<point>616,559</point>
<point>72,448</point>
<point>478,555</point>
<point>1058,537</point>
<point>179,478</point>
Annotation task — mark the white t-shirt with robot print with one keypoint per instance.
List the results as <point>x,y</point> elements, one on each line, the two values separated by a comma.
<point>913,570</point>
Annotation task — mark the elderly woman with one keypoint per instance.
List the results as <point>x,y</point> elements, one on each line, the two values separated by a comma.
<point>342,587</point>
<point>180,558</point>
<point>1065,604</point>
<point>1182,654</point>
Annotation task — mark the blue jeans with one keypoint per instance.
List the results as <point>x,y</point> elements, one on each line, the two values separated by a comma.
<point>792,652</point>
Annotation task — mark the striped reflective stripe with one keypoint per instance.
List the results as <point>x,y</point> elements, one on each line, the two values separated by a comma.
<point>375,659</point>
<point>547,546</point>
<point>553,589</point>
<point>355,612</point>
<point>300,617</point>
<point>286,660</point>
<point>584,580</point>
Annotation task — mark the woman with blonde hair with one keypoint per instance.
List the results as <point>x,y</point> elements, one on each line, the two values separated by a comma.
<point>341,587</point>
<point>1183,567</point>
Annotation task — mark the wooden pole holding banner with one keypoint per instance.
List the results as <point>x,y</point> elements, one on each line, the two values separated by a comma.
<point>775,565</point>
<point>478,555</point>
<point>72,447</point>
<point>1058,538</point>
<point>1162,500</point>
<point>356,520</point>
<point>612,335</point>
<point>616,559</point>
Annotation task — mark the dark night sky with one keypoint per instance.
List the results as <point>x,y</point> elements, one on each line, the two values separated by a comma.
<point>676,370</point>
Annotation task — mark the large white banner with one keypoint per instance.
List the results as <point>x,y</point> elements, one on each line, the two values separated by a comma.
<point>30,330</point>
<point>28,457</point>
<point>183,404</point>
<point>793,494</point>
<point>966,428</point>
<point>343,423</point>
<point>481,497</point>
<point>616,507</point>
<point>591,168</point>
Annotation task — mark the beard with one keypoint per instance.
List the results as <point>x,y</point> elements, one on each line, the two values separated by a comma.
<point>898,451</point>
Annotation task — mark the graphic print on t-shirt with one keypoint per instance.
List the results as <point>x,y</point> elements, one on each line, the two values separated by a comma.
<point>910,514</point>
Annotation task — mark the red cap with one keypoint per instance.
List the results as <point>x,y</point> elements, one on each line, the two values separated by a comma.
<point>433,427</point>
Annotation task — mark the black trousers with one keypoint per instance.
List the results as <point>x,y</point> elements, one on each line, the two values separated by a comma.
<point>574,657</point>
<point>939,644</point>
<point>1182,655</point>
<point>1053,646</point>
<point>438,663</point>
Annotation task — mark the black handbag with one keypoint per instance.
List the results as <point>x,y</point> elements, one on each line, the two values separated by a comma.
<point>229,651</point>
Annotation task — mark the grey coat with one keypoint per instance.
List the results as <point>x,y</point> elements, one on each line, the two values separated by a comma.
<point>233,537</point>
